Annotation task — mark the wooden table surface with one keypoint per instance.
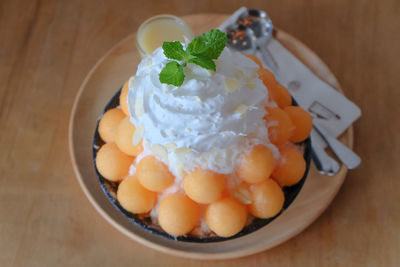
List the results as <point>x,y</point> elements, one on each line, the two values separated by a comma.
<point>46,49</point>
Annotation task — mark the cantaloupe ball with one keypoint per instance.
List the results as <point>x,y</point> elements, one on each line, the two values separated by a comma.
<point>266,76</point>
<point>256,165</point>
<point>178,214</point>
<point>153,174</point>
<point>108,123</point>
<point>255,59</point>
<point>277,92</point>
<point>302,121</point>
<point>267,199</point>
<point>290,167</point>
<point>123,98</point>
<point>280,126</point>
<point>123,138</point>
<point>204,186</point>
<point>281,95</point>
<point>226,217</point>
<point>111,163</point>
<point>134,197</point>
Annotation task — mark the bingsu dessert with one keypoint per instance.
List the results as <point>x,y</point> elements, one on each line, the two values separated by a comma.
<point>204,139</point>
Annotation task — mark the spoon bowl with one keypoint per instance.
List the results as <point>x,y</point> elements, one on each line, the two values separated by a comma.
<point>241,39</point>
<point>259,22</point>
<point>255,26</point>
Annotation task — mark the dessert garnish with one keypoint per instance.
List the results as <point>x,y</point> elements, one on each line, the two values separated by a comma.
<point>202,51</point>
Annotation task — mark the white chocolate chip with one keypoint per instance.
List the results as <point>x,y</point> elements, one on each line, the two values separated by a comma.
<point>139,107</point>
<point>239,73</point>
<point>180,168</point>
<point>198,99</point>
<point>145,143</point>
<point>232,84</point>
<point>170,146</point>
<point>148,65</point>
<point>172,132</point>
<point>138,135</point>
<point>183,150</point>
<point>159,151</point>
<point>217,64</point>
<point>131,82</point>
<point>251,85</point>
<point>240,109</point>
<point>242,194</point>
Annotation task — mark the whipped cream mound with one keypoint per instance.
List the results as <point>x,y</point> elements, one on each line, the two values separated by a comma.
<point>208,121</point>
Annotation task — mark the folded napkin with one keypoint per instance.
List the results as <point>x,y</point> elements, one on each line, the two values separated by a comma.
<point>329,108</point>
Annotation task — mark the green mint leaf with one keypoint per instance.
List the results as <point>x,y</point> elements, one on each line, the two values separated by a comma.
<point>174,50</point>
<point>201,51</point>
<point>172,73</point>
<point>209,44</point>
<point>204,62</point>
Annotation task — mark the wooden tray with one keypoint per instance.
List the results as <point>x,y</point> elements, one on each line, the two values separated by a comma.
<point>100,85</point>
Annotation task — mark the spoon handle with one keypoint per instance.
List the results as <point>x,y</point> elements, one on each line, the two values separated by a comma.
<point>345,154</point>
<point>324,163</point>
<point>268,59</point>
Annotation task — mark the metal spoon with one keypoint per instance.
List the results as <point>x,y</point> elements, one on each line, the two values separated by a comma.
<point>261,25</point>
<point>345,154</point>
<point>241,38</point>
<point>324,163</point>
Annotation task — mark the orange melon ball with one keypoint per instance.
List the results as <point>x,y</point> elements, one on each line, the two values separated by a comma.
<point>255,59</point>
<point>111,163</point>
<point>123,135</point>
<point>256,165</point>
<point>290,167</point>
<point>178,214</point>
<point>134,197</point>
<point>277,92</point>
<point>204,186</point>
<point>266,76</point>
<point>123,98</point>
<point>153,174</point>
<point>267,199</point>
<point>302,121</point>
<point>281,95</point>
<point>280,126</point>
<point>108,122</point>
<point>226,217</point>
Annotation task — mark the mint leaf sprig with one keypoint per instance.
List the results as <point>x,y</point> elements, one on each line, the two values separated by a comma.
<point>202,51</point>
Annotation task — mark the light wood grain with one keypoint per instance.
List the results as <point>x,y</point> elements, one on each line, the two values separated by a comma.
<point>48,47</point>
<point>110,73</point>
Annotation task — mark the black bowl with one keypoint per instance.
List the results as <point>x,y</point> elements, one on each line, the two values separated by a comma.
<point>110,189</point>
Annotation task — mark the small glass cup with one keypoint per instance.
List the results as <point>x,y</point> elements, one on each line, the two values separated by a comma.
<point>158,29</point>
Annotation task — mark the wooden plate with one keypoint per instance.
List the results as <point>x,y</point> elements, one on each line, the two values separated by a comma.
<point>100,85</point>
